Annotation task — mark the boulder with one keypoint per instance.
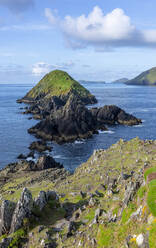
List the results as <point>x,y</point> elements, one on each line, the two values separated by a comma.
<point>23,210</point>
<point>41,200</point>
<point>46,162</point>
<point>40,146</point>
<point>43,163</point>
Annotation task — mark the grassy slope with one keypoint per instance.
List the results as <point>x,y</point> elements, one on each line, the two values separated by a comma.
<point>145,78</point>
<point>57,83</point>
<point>131,155</point>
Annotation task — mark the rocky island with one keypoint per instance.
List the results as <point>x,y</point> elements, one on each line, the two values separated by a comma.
<point>60,103</point>
<point>108,202</point>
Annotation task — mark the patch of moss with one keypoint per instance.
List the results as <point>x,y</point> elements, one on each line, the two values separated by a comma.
<point>18,238</point>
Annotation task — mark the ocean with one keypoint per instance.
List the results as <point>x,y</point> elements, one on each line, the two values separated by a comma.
<point>14,138</point>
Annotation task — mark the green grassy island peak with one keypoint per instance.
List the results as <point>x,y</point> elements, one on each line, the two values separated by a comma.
<point>61,84</point>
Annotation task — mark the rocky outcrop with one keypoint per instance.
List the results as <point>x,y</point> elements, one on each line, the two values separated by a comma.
<point>112,115</point>
<point>74,121</point>
<point>6,213</point>
<point>71,122</point>
<point>39,146</point>
<point>13,215</point>
<point>44,197</point>
<point>46,162</point>
<point>22,210</point>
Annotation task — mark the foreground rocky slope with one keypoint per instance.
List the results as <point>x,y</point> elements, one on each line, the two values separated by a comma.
<point>108,202</point>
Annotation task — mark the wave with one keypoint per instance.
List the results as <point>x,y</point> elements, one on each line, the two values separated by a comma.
<point>108,131</point>
<point>138,126</point>
<point>79,142</point>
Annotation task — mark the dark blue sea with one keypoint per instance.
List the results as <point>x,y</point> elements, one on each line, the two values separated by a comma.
<point>14,138</point>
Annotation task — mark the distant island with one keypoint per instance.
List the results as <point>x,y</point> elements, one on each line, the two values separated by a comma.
<point>120,81</point>
<point>92,82</point>
<point>145,78</point>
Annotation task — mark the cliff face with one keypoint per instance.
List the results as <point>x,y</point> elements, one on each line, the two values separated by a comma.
<point>146,78</point>
<point>108,202</point>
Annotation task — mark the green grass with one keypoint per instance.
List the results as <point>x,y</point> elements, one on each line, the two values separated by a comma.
<point>57,83</point>
<point>128,211</point>
<point>18,237</point>
<point>104,236</point>
<point>151,197</point>
<point>149,171</point>
<point>141,192</point>
<point>152,235</point>
<point>148,77</point>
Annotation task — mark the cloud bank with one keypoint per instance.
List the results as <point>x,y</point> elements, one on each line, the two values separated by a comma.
<point>42,68</point>
<point>17,6</point>
<point>114,29</point>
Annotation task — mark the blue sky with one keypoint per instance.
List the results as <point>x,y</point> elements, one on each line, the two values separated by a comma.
<point>90,39</point>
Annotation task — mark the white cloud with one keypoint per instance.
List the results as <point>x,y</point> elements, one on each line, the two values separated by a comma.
<point>114,29</point>
<point>42,68</point>
<point>51,17</point>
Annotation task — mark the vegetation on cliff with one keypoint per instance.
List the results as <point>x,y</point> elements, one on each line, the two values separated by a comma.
<point>146,78</point>
<point>58,83</point>
<point>108,202</point>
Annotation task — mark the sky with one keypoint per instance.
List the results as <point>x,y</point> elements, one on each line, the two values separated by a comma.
<point>90,39</point>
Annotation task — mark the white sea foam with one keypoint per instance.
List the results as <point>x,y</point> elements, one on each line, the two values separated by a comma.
<point>138,126</point>
<point>59,156</point>
<point>79,142</point>
<point>108,131</point>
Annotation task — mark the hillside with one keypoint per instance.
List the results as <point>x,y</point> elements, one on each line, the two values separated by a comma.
<point>146,78</point>
<point>59,83</point>
<point>108,202</point>
<point>121,80</point>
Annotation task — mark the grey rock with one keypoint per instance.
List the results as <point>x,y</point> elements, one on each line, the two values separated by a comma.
<point>23,210</point>
<point>41,200</point>
<point>5,242</point>
<point>6,213</point>
<point>71,228</point>
<point>51,195</point>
